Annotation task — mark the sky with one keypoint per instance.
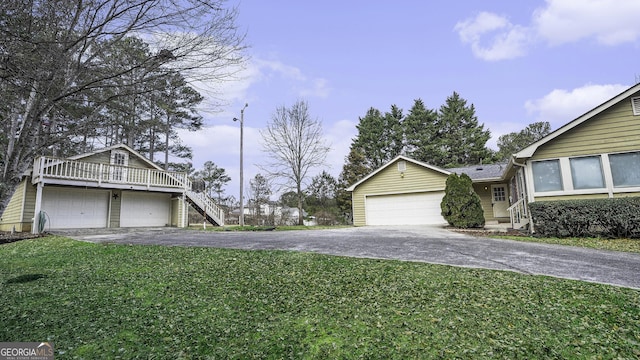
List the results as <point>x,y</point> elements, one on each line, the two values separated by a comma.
<point>517,62</point>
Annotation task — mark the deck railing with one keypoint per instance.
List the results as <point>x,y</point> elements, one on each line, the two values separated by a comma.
<point>518,214</point>
<point>49,167</point>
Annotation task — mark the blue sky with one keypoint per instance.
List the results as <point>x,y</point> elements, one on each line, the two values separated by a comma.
<point>517,61</point>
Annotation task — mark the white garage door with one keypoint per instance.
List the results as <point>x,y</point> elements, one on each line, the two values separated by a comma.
<point>75,208</point>
<point>405,209</point>
<point>144,209</point>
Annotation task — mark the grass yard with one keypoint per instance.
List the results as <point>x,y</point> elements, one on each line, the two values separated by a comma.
<point>626,245</point>
<point>117,301</point>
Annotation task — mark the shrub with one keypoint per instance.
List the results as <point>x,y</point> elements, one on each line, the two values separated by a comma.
<point>607,218</point>
<point>461,206</point>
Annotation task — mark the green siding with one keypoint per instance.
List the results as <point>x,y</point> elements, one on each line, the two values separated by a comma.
<point>613,130</point>
<point>390,181</point>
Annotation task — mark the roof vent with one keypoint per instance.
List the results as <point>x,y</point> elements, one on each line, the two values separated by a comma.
<point>402,166</point>
<point>480,168</point>
<point>635,105</point>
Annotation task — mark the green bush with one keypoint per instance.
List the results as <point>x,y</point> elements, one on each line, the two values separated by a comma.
<point>461,206</point>
<point>606,218</point>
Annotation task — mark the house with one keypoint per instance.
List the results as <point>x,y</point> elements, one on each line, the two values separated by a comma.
<point>108,188</point>
<point>597,155</point>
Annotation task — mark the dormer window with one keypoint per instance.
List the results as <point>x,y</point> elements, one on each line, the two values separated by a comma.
<point>119,160</point>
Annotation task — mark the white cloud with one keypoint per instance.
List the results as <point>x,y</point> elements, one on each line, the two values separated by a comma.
<point>561,106</point>
<point>301,84</point>
<point>507,41</point>
<point>609,22</point>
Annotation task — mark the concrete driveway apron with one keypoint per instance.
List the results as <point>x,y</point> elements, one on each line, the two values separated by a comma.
<point>408,243</point>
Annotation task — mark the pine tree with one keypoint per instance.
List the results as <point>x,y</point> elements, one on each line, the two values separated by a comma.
<point>380,136</point>
<point>421,133</point>
<point>462,141</point>
<point>353,170</point>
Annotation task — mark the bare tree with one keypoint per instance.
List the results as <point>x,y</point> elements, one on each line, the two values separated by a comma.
<point>294,144</point>
<point>54,65</point>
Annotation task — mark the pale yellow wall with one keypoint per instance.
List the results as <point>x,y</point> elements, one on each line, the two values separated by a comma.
<point>484,191</point>
<point>12,215</point>
<point>613,130</point>
<point>116,208</point>
<point>629,194</point>
<point>21,207</point>
<point>572,197</point>
<point>389,181</point>
<point>177,211</point>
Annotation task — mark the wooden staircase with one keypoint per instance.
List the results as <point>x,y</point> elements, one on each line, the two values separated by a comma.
<point>206,207</point>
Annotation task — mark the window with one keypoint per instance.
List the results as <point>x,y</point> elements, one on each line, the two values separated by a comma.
<point>625,169</point>
<point>499,193</point>
<point>586,172</point>
<point>547,176</point>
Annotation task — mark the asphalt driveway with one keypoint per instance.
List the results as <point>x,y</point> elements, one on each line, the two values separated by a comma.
<point>417,243</point>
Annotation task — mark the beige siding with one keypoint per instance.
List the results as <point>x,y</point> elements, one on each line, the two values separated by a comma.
<point>116,208</point>
<point>485,199</point>
<point>12,215</point>
<point>177,211</point>
<point>572,197</point>
<point>20,210</point>
<point>631,194</point>
<point>390,181</point>
<point>614,130</point>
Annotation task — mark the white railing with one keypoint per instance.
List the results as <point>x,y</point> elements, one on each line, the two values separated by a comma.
<point>204,202</point>
<point>518,214</point>
<point>48,167</point>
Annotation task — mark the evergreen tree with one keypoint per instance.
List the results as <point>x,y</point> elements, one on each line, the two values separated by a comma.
<point>421,133</point>
<point>462,141</point>
<point>215,178</point>
<point>461,206</point>
<point>353,170</point>
<point>380,136</point>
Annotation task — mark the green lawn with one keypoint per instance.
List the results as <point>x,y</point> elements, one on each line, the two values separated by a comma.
<point>626,245</point>
<point>118,301</point>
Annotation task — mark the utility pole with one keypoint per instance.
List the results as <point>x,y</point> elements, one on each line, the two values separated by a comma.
<point>241,220</point>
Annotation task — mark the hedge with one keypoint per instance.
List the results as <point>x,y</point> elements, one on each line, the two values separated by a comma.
<point>605,218</point>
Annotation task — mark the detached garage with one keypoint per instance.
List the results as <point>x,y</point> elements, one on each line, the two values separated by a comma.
<point>402,192</point>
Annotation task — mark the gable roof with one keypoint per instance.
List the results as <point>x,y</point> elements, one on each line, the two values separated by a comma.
<point>399,157</point>
<point>485,172</point>
<point>115,147</point>
<point>531,149</point>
